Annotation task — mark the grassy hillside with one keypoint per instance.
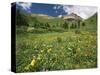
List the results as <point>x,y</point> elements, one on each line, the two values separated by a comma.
<point>91,23</point>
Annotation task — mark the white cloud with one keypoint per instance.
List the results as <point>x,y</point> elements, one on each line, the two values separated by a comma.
<point>83,11</point>
<point>59,7</point>
<point>59,16</point>
<point>55,7</point>
<point>25,5</point>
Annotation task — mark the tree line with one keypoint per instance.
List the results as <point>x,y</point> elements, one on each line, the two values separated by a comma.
<point>24,20</point>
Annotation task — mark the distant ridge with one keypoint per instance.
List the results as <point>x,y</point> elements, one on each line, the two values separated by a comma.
<point>72,16</point>
<point>42,15</point>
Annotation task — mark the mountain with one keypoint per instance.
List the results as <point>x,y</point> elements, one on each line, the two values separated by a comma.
<point>42,16</point>
<point>92,18</point>
<point>91,23</point>
<point>72,16</point>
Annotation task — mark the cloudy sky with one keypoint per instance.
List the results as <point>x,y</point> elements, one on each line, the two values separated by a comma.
<point>57,10</point>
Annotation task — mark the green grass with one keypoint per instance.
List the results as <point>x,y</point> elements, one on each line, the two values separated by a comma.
<point>56,51</point>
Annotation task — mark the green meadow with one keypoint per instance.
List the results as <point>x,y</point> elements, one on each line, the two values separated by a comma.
<point>48,45</point>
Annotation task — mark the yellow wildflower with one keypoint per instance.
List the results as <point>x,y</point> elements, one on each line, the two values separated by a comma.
<point>49,49</point>
<point>42,51</point>
<point>44,45</point>
<point>69,48</point>
<point>27,67</point>
<point>33,62</point>
<point>35,46</point>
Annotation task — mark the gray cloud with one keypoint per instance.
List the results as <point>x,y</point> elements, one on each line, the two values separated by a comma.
<point>83,11</point>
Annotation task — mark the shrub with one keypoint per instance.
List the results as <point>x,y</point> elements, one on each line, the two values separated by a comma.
<point>65,25</point>
<point>59,39</point>
<point>21,29</point>
<point>83,24</point>
<point>21,19</point>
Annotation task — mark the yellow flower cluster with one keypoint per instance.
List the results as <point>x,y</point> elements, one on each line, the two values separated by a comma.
<point>33,62</point>
<point>49,49</point>
<point>42,51</point>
